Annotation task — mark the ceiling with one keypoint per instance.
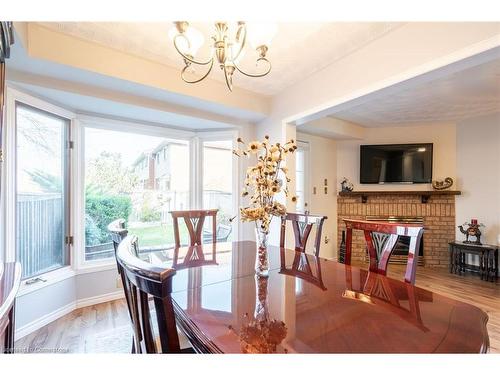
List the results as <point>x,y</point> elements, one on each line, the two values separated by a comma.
<point>298,49</point>
<point>87,92</point>
<point>468,93</point>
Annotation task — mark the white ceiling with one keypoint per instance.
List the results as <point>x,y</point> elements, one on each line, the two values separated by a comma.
<point>298,50</point>
<point>464,94</point>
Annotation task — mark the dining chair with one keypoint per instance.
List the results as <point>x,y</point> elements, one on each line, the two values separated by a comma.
<point>380,261</point>
<point>142,280</point>
<point>302,225</point>
<point>194,220</point>
<point>118,233</point>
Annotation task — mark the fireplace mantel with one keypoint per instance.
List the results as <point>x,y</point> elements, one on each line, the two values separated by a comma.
<point>424,194</point>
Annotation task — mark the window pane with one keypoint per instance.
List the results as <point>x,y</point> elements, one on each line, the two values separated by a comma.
<point>138,178</point>
<point>299,159</point>
<point>41,165</point>
<point>218,186</point>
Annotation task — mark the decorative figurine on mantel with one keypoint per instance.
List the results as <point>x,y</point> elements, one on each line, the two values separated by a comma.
<point>442,185</point>
<point>472,230</point>
<point>346,185</point>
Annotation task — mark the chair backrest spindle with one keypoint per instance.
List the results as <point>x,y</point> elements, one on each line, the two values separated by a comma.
<point>379,263</point>
<point>194,220</point>
<point>302,225</point>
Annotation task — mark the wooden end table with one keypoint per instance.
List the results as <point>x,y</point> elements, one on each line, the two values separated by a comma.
<point>488,259</point>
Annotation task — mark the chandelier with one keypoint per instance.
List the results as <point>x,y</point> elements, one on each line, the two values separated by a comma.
<point>225,52</point>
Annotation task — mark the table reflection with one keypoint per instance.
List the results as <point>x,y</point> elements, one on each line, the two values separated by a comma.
<point>260,333</point>
<point>383,292</point>
<point>194,256</point>
<point>302,267</point>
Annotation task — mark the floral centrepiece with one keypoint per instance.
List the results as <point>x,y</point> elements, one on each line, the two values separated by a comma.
<point>263,182</point>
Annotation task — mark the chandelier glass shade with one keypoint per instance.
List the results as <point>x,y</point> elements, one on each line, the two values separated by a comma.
<point>226,50</point>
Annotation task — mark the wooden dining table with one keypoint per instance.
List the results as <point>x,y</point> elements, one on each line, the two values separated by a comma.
<point>309,304</point>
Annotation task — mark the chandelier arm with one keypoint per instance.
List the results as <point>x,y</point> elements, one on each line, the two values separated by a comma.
<point>229,80</point>
<point>255,75</point>
<point>242,28</point>
<point>199,79</point>
<point>186,57</point>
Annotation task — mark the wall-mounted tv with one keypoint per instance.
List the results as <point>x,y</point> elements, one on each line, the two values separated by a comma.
<point>404,163</point>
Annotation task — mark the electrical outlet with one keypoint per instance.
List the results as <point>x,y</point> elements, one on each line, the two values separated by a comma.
<point>314,190</point>
<point>327,239</point>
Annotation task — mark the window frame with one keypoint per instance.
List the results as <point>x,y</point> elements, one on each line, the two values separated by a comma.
<point>9,198</point>
<point>78,123</point>
<point>67,163</point>
<point>218,136</point>
<point>95,122</point>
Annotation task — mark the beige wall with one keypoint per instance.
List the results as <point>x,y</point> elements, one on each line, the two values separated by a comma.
<point>478,163</point>
<point>321,165</point>
<point>443,136</point>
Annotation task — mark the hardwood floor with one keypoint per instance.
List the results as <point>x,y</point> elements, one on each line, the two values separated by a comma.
<point>105,327</point>
<point>85,330</point>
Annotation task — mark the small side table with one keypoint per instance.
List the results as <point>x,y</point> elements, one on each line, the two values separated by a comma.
<point>488,259</point>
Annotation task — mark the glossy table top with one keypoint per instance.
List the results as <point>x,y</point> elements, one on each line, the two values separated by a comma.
<point>310,305</point>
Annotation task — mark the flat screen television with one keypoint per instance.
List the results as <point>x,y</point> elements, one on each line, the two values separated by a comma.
<point>405,163</point>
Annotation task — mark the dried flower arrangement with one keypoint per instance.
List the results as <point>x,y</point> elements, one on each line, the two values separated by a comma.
<point>264,180</point>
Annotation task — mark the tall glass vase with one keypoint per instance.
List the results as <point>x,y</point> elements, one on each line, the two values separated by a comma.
<point>261,260</point>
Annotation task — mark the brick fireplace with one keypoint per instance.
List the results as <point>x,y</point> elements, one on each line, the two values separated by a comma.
<point>436,211</point>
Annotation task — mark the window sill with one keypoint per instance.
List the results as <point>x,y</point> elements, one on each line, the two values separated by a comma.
<point>51,278</point>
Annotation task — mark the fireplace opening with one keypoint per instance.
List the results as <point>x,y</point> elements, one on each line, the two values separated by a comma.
<point>400,251</point>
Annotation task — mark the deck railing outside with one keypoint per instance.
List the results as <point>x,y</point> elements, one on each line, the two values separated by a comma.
<point>40,233</point>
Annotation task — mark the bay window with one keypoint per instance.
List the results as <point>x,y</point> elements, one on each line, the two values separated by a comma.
<point>70,175</point>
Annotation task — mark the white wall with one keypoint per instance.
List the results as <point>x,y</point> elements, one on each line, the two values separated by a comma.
<point>31,308</point>
<point>442,135</point>
<point>322,165</point>
<point>478,164</point>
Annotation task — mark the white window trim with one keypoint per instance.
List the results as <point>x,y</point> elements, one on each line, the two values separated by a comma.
<point>196,167</point>
<point>8,203</point>
<point>95,122</point>
<point>79,122</point>
<point>216,136</point>
<point>47,279</point>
